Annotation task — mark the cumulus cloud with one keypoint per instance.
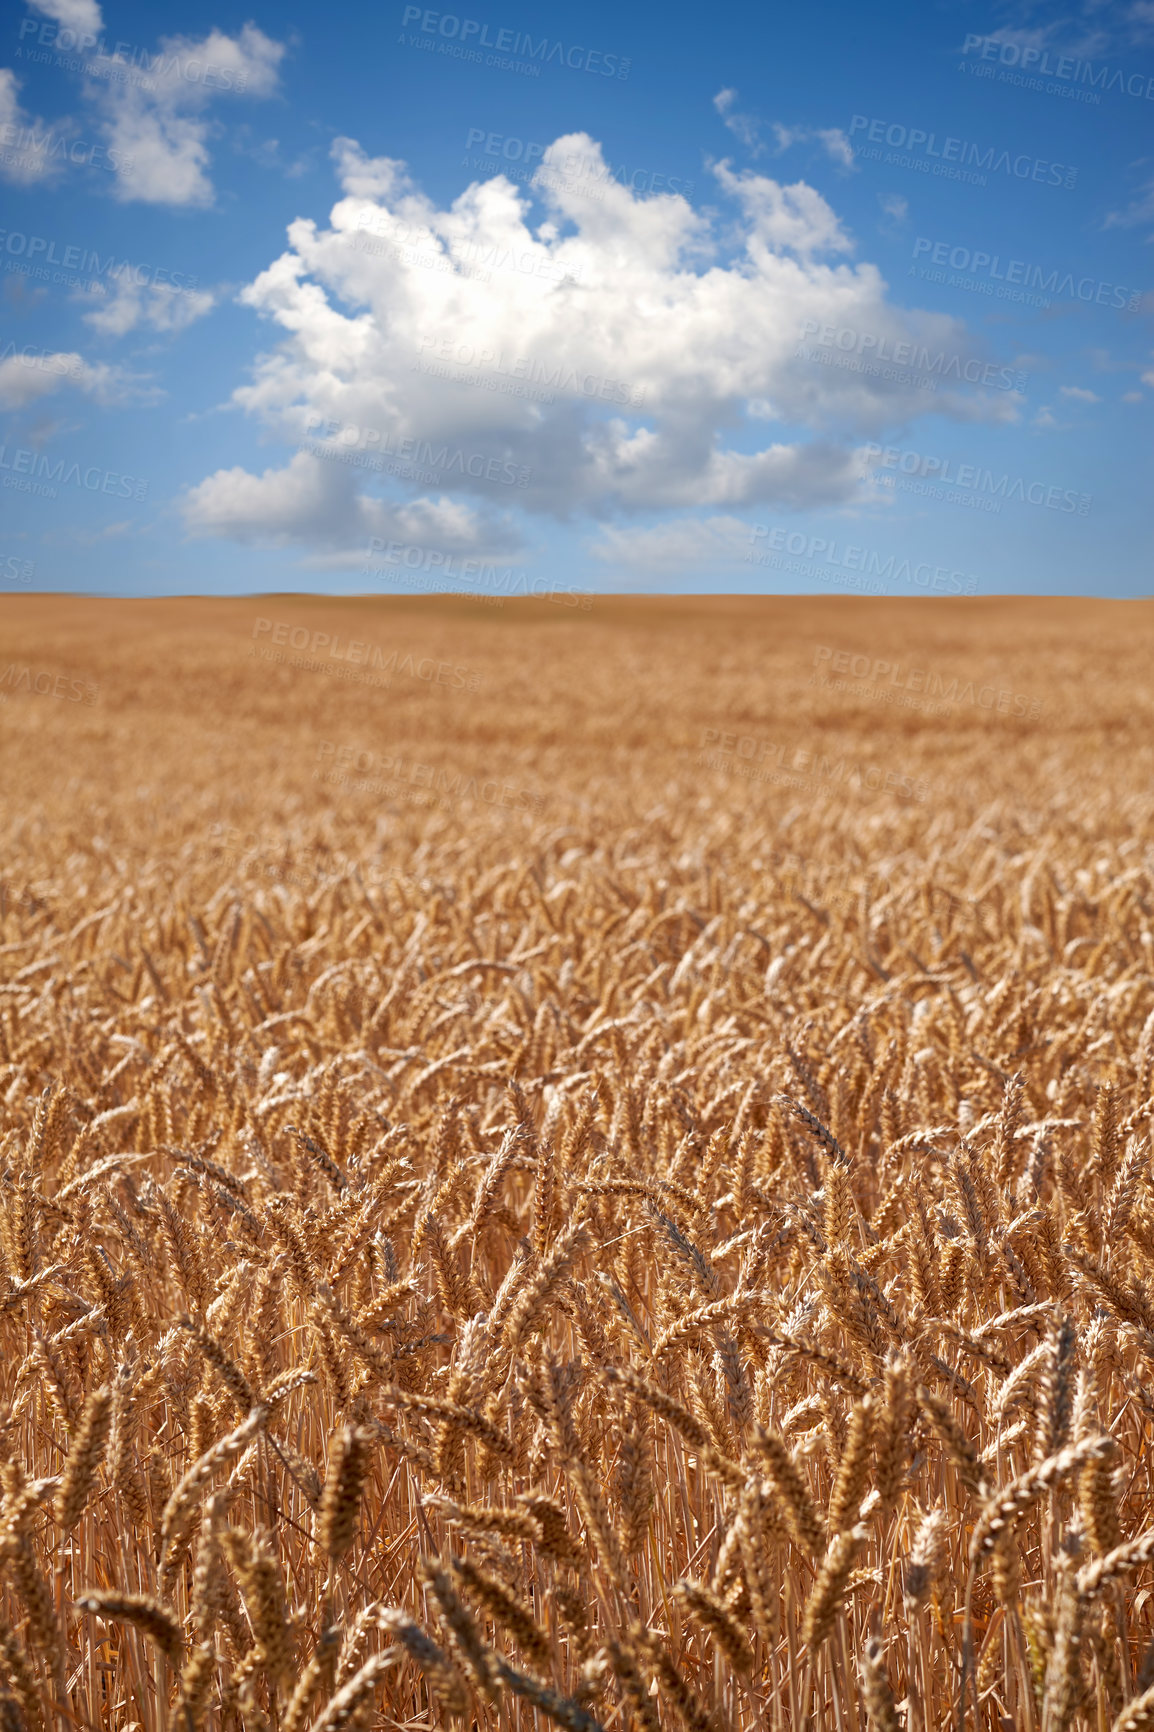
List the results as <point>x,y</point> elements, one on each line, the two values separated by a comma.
<point>149,124</point>
<point>601,355</point>
<point>315,504</point>
<point>784,218</point>
<point>28,374</point>
<point>160,122</point>
<point>382,179</point>
<point>155,306</point>
<point>1079,393</point>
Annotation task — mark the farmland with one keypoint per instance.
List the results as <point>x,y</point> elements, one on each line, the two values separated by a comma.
<point>579,1167</point>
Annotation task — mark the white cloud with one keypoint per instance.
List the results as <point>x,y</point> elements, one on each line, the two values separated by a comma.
<point>618,355</point>
<point>837,144</point>
<point>152,118</point>
<point>1133,397</point>
<point>1079,393</point>
<point>315,503</point>
<point>784,218</point>
<point>301,501</point>
<point>1059,37</point>
<point>160,122</point>
<point>746,127</point>
<point>159,306</point>
<point>20,161</point>
<point>79,15</point>
<point>689,544</point>
<point>25,379</point>
<point>382,179</point>
<point>1139,210</point>
<point>266,153</point>
<point>1047,422</point>
<point>831,138</point>
<point>644,470</point>
<point>1086,30</point>
<point>94,535</point>
<point>30,374</point>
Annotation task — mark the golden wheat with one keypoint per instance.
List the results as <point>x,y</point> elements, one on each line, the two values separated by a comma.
<point>684,1258</point>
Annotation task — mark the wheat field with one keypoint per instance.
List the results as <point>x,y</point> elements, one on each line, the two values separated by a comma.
<point>576,1168</point>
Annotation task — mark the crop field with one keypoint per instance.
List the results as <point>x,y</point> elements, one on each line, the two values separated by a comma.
<point>580,1167</point>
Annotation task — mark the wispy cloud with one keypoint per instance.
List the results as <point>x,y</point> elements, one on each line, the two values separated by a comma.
<point>831,138</point>
<point>746,127</point>
<point>29,375</point>
<point>155,306</point>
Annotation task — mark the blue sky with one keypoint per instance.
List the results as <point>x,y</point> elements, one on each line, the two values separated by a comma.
<point>374,299</point>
